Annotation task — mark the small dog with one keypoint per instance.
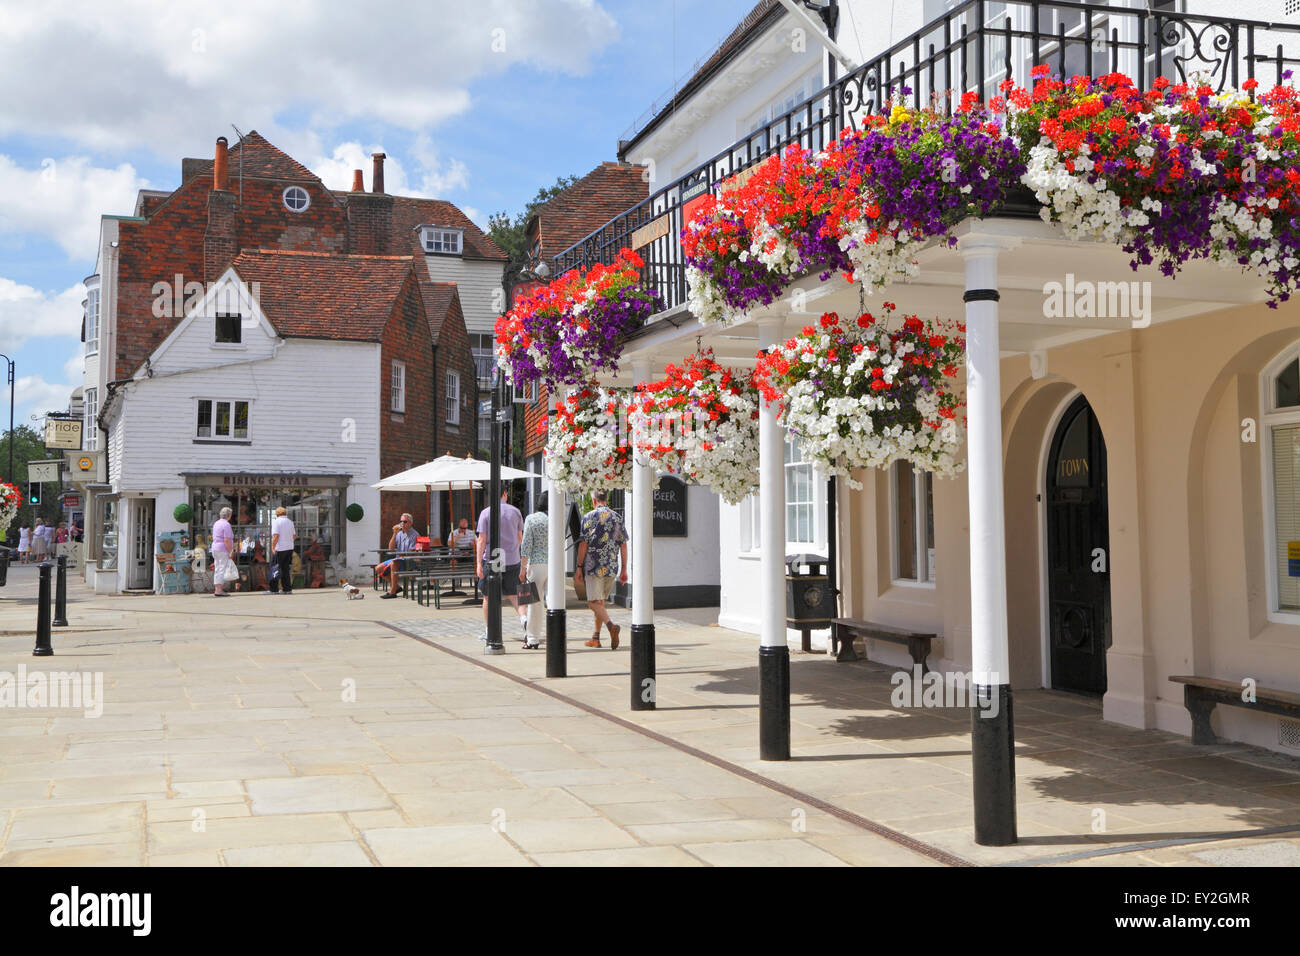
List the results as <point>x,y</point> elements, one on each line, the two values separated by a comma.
<point>353,592</point>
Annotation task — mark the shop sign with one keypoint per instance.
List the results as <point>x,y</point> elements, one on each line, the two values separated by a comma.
<point>286,482</point>
<point>44,471</point>
<point>669,511</point>
<point>63,433</point>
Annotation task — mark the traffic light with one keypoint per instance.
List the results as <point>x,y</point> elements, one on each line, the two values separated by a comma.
<point>33,492</point>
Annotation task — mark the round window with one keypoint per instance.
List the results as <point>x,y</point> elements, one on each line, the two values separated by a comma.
<point>296,199</point>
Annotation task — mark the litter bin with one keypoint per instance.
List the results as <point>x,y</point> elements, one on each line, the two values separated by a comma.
<point>809,599</point>
<point>4,565</point>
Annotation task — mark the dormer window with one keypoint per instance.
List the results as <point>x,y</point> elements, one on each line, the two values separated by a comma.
<point>441,240</point>
<point>296,199</point>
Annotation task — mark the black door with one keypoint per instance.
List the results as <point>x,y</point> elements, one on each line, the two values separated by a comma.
<point>1078,553</point>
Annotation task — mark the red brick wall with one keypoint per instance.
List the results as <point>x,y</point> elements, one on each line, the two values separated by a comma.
<point>370,225</point>
<point>406,440</point>
<point>534,417</point>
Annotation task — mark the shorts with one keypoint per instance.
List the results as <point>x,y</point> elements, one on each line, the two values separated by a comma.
<point>509,583</point>
<point>600,588</point>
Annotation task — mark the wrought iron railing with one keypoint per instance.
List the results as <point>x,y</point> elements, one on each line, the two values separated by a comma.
<point>975,46</point>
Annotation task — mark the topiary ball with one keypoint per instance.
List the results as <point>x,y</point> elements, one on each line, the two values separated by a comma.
<point>355,512</point>
<point>183,513</point>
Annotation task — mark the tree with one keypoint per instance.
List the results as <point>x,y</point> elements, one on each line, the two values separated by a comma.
<point>29,445</point>
<point>510,234</point>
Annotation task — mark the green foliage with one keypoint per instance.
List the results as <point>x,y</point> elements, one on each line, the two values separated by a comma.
<point>29,445</point>
<point>183,513</point>
<point>511,233</point>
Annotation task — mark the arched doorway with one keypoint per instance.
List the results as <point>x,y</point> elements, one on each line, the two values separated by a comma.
<point>1078,553</point>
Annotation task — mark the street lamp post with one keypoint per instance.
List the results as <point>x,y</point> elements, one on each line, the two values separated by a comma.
<point>12,389</point>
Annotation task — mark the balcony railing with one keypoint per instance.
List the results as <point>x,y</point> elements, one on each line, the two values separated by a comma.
<point>973,47</point>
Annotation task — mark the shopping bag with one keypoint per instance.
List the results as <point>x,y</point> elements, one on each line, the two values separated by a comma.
<point>275,571</point>
<point>231,573</point>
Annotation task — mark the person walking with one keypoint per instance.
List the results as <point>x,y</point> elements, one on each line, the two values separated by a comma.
<point>39,544</point>
<point>223,549</point>
<point>511,535</point>
<point>403,541</point>
<point>532,568</point>
<point>24,543</point>
<point>282,538</point>
<point>602,559</point>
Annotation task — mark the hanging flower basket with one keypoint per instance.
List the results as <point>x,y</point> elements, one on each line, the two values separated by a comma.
<point>586,443</point>
<point>11,500</point>
<point>700,422</point>
<point>863,395</point>
<point>577,325</point>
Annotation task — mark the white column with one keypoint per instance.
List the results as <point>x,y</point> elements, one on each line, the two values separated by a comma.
<point>990,661</point>
<point>643,487</point>
<point>557,507</point>
<point>771,499</point>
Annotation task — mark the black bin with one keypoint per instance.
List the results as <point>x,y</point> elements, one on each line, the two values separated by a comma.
<point>809,599</point>
<point>4,565</point>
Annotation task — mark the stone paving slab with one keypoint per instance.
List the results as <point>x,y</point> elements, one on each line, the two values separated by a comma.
<point>307,733</point>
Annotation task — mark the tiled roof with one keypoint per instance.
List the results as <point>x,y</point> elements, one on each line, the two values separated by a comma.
<point>604,193</point>
<point>256,158</point>
<point>441,299</point>
<point>409,213</point>
<point>321,296</point>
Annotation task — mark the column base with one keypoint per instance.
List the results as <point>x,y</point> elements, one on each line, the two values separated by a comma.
<point>557,661</point>
<point>644,685</point>
<point>774,703</point>
<point>994,765</point>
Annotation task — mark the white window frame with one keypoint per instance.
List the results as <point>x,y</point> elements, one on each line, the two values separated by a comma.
<point>792,458</point>
<point>1270,418</point>
<point>212,413</point>
<point>453,397</point>
<point>284,199</point>
<point>89,427</point>
<point>750,526</point>
<point>397,388</point>
<point>92,320</point>
<point>920,517</point>
<point>442,236</point>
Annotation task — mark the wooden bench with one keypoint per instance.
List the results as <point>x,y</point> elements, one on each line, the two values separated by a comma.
<point>433,582</point>
<point>1201,694</point>
<point>845,629</point>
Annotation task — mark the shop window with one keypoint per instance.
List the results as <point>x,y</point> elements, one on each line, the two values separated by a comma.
<point>397,393</point>
<point>912,517</point>
<point>453,398</point>
<point>222,420</point>
<point>801,498</point>
<point>1281,460</point>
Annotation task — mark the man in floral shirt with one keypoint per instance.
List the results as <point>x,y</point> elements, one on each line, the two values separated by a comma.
<point>601,551</point>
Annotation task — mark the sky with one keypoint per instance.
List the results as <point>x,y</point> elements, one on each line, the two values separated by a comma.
<point>477,103</point>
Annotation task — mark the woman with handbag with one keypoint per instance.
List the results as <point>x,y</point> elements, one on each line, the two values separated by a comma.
<point>224,570</point>
<point>532,567</point>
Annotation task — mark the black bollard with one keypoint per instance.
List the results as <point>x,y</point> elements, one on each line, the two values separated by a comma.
<point>556,663</point>
<point>43,648</point>
<point>61,593</point>
<point>643,667</point>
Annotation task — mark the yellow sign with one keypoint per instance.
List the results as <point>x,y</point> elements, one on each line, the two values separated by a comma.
<point>85,464</point>
<point>650,232</point>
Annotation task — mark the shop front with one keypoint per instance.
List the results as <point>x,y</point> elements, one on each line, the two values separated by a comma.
<point>315,504</point>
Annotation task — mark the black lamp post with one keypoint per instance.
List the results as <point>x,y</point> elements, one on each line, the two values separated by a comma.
<point>514,272</point>
<point>12,389</point>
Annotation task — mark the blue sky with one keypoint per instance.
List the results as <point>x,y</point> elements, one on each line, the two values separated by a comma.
<point>480,104</point>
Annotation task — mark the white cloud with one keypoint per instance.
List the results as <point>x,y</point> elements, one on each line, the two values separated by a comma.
<point>74,369</point>
<point>431,178</point>
<point>35,396</point>
<point>157,74</point>
<point>62,199</point>
<point>30,313</point>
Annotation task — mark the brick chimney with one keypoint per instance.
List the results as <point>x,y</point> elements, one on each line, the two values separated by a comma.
<point>370,215</point>
<point>220,242</point>
<point>220,174</point>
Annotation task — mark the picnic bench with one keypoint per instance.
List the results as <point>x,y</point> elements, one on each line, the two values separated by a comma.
<point>1201,694</point>
<point>845,629</point>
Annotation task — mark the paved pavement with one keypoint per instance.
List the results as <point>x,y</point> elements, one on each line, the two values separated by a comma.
<point>314,730</point>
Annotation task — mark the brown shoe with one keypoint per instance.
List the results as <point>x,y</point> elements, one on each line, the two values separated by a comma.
<point>594,642</point>
<point>614,631</point>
